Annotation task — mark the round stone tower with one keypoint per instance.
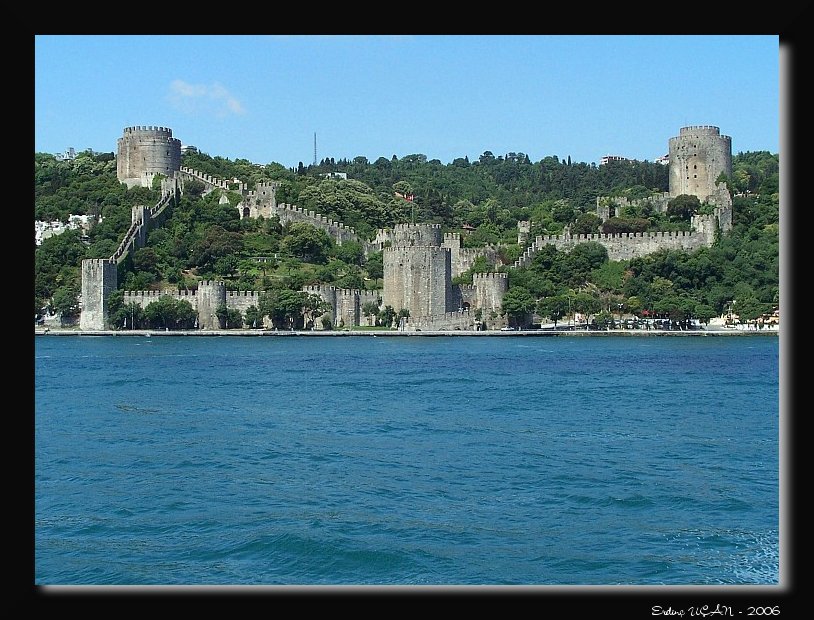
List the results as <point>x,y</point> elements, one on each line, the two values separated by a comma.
<point>210,295</point>
<point>698,155</point>
<point>144,152</point>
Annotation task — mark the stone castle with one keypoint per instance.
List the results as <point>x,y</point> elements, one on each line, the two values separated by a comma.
<point>419,261</point>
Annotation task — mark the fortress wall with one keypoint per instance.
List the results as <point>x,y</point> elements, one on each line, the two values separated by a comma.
<point>606,204</point>
<point>337,230</point>
<point>144,298</point>
<point>242,300</point>
<point>447,321</point>
<point>622,246</point>
<point>464,258</point>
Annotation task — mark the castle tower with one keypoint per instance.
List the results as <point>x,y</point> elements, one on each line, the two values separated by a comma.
<point>417,270</point>
<point>99,277</point>
<point>489,290</point>
<point>144,152</point>
<point>405,235</point>
<point>697,157</point>
<point>210,295</point>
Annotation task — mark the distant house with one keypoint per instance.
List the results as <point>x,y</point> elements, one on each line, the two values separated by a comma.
<point>67,155</point>
<point>608,158</point>
<point>334,175</point>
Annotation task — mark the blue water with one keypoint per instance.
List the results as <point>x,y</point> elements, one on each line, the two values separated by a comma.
<point>384,461</point>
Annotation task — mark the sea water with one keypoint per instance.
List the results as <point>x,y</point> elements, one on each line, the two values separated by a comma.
<point>406,460</point>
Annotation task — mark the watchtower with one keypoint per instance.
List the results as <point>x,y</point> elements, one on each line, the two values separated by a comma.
<point>143,152</point>
<point>698,155</point>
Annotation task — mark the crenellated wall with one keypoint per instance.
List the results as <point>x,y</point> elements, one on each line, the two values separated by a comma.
<point>205,300</point>
<point>462,320</point>
<point>210,182</point>
<point>242,300</point>
<point>346,304</point>
<point>337,230</point>
<point>463,258</point>
<point>623,246</point>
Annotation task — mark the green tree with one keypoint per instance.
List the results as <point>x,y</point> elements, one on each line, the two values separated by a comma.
<point>170,313</point>
<point>283,306</point>
<point>386,316</point>
<point>66,302</point>
<point>750,309</point>
<point>554,307</point>
<point>370,310</point>
<point>229,318</point>
<point>254,319</point>
<point>683,207</point>
<point>350,252</point>
<point>226,265</point>
<point>517,305</point>
<point>129,316</point>
<point>704,312</point>
<point>314,306</point>
<point>586,304</point>
<point>307,242</point>
<point>586,224</point>
<point>375,265</point>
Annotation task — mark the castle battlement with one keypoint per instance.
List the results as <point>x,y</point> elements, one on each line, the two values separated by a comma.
<point>155,294</point>
<point>149,129</point>
<point>489,277</point>
<point>235,294</point>
<point>711,130</point>
<point>211,283</point>
<point>409,227</point>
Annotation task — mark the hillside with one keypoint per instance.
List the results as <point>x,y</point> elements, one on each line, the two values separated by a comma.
<point>483,200</point>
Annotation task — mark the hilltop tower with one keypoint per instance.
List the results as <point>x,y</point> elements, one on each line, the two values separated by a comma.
<point>144,152</point>
<point>698,155</point>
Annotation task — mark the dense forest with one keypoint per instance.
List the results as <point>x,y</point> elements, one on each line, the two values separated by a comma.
<point>483,199</point>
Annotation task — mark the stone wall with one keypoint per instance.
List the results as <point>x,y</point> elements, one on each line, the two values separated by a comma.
<point>623,246</point>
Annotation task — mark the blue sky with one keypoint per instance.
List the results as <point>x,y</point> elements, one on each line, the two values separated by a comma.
<point>262,98</point>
